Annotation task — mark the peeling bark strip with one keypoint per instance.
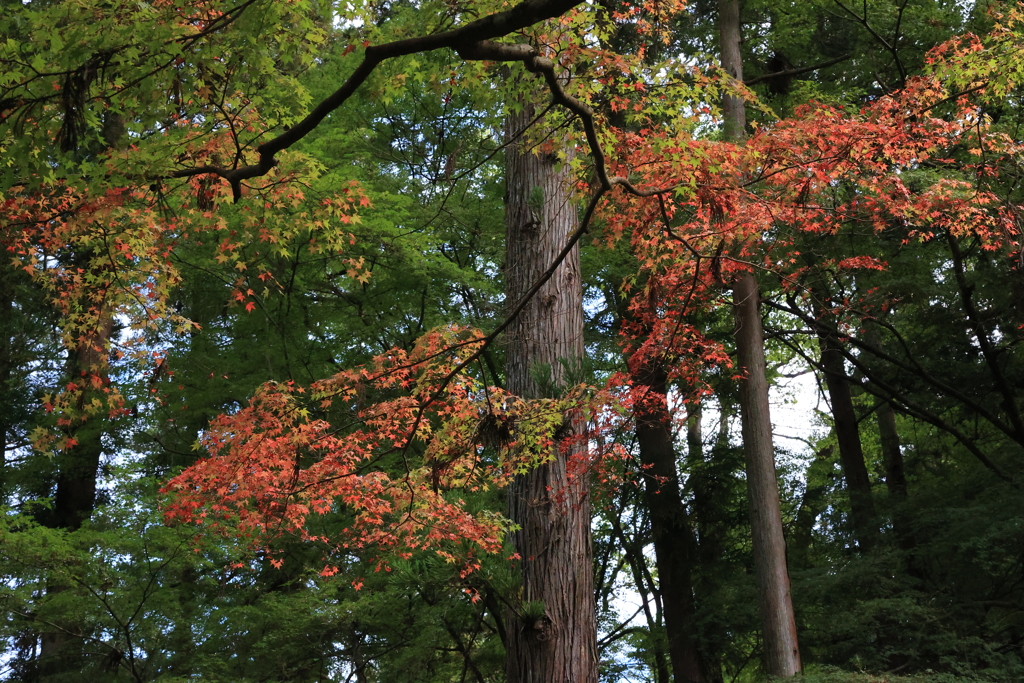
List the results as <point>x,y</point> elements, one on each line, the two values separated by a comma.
<point>552,638</point>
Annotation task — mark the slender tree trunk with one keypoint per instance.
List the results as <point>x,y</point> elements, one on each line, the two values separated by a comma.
<point>812,504</point>
<point>551,504</point>
<point>78,466</point>
<point>671,531</point>
<point>781,652</point>
<point>851,453</point>
<point>892,455</point>
<point>896,483</point>
<point>87,366</point>
<point>705,488</point>
<point>695,436</point>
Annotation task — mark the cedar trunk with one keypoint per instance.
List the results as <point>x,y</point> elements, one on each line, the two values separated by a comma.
<point>551,503</point>
<point>781,652</point>
<point>778,623</point>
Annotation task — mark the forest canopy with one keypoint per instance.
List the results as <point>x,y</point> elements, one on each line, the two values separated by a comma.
<point>439,341</point>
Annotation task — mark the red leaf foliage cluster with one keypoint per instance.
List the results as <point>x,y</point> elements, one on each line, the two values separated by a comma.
<point>404,432</point>
<point>742,207</point>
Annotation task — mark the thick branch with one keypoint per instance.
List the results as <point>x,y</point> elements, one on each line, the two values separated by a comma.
<point>471,42</point>
<point>496,25</point>
<point>911,365</point>
<point>891,48</point>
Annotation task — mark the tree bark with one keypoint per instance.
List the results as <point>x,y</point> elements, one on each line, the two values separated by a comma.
<point>78,467</point>
<point>896,483</point>
<point>708,530</point>
<point>551,503</point>
<point>781,651</point>
<point>734,112</point>
<point>6,367</point>
<point>812,504</point>
<point>644,582</point>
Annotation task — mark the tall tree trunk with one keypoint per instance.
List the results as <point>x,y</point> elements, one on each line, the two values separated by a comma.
<point>78,466</point>
<point>672,534</point>
<point>550,504</point>
<point>895,474</point>
<point>896,483</point>
<point>781,652</point>
<point>730,37</point>
<point>75,497</point>
<point>851,453</point>
<point>6,368</point>
<point>644,582</point>
<point>812,504</point>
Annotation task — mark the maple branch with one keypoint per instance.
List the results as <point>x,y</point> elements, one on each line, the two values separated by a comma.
<point>472,42</point>
<point>570,243</point>
<point>497,25</point>
<point>954,96</point>
<point>796,71</point>
<point>889,393</point>
<point>696,254</point>
<point>911,365</point>
<point>114,650</point>
<point>917,369</point>
<point>486,341</point>
<point>186,41</point>
<point>535,63</point>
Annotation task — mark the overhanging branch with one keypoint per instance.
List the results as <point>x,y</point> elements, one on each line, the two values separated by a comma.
<point>499,24</point>
<point>472,42</point>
